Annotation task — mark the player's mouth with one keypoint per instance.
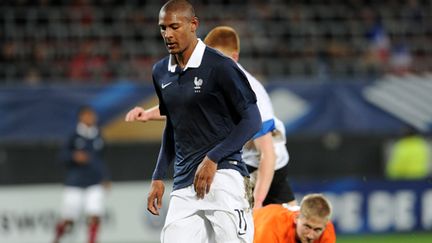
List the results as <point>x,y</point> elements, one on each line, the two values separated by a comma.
<point>170,45</point>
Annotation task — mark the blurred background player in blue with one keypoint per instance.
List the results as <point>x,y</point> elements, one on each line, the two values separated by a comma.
<point>86,176</point>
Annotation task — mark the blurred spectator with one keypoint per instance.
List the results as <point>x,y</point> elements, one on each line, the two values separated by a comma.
<point>297,38</point>
<point>378,43</point>
<point>87,65</point>
<point>7,58</point>
<point>400,59</point>
<point>409,157</point>
<point>41,63</point>
<point>32,77</point>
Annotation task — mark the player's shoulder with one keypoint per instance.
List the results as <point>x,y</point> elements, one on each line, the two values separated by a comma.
<point>275,213</point>
<point>277,209</point>
<point>281,211</point>
<point>215,58</point>
<point>161,65</point>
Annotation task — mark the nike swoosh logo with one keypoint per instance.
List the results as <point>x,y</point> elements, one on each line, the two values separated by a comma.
<point>165,85</point>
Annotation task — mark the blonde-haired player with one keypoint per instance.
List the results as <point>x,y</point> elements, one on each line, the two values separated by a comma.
<point>309,223</point>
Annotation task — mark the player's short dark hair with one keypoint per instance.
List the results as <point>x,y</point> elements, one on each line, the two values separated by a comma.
<point>85,108</point>
<point>179,5</point>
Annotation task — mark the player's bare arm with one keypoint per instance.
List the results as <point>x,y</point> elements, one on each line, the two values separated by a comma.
<point>265,170</point>
<point>154,200</point>
<point>140,114</point>
<point>204,177</point>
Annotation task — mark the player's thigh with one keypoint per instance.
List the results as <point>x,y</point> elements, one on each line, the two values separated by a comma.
<point>191,229</point>
<point>231,227</point>
<point>94,204</point>
<point>73,198</point>
<point>229,211</point>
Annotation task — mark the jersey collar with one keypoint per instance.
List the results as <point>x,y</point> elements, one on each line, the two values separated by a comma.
<point>85,131</point>
<point>194,60</point>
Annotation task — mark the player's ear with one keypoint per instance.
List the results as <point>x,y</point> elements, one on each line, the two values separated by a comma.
<point>194,24</point>
<point>235,56</point>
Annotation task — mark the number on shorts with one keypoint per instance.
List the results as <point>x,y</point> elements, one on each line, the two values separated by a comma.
<point>242,226</point>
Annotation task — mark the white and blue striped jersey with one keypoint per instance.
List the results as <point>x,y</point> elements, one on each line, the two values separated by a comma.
<point>270,123</point>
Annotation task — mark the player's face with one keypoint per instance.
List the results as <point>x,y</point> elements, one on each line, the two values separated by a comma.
<point>88,117</point>
<point>309,229</point>
<point>177,30</point>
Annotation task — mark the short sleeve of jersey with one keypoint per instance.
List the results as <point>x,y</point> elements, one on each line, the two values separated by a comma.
<point>234,82</point>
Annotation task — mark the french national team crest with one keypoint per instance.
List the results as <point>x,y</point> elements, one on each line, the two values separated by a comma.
<point>198,83</point>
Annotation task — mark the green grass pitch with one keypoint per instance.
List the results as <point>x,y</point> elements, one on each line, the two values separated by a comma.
<point>390,238</point>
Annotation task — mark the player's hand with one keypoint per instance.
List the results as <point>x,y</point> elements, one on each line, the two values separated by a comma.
<point>81,157</point>
<point>204,177</point>
<point>137,114</point>
<point>154,200</point>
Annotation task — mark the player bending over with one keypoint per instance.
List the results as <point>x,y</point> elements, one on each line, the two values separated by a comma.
<point>309,223</point>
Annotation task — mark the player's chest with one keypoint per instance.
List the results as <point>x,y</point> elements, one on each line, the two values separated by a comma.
<point>82,143</point>
<point>186,87</point>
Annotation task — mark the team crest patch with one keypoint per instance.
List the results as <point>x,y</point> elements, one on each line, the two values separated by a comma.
<point>198,83</point>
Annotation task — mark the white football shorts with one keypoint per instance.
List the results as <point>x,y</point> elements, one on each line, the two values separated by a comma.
<point>77,200</point>
<point>223,215</point>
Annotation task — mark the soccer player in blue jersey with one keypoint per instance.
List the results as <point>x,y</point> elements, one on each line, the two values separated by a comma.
<point>86,176</point>
<point>266,155</point>
<point>210,112</point>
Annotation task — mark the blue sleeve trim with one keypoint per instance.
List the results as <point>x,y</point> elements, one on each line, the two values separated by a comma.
<point>267,126</point>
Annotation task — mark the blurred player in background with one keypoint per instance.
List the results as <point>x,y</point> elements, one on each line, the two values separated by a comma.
<point>309,223</point>
<point>211,112</point>
<point>266,153</point>
<point>86,176</point>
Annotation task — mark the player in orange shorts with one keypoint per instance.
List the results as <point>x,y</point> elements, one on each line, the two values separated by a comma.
<point>309,223</point>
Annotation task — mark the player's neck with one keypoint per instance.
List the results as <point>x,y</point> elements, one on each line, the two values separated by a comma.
<point>183,58</point>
